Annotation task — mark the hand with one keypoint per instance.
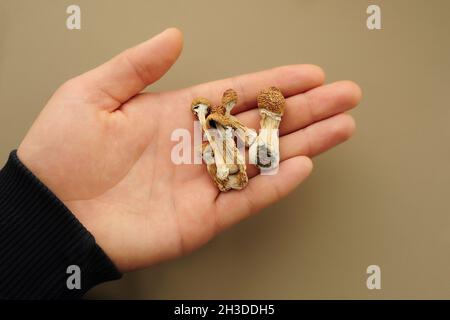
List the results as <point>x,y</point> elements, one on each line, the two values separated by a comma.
<point>104,149</point>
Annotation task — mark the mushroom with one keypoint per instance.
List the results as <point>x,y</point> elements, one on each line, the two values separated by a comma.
<point>225,164</point>
<point>234,181</point>
<point>201,107</point>
<point>223,129</point>
<point>264,153</point>
<point>244,134</point>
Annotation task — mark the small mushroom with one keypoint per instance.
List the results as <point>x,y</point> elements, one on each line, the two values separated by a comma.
<point>264,153</point>
<point>201,107</point>
<point>244,134</point>
<point>222,125</point>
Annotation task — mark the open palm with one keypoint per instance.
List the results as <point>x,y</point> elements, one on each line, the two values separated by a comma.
<point>104,149</point>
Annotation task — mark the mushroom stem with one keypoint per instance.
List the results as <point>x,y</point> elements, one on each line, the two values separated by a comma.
<point>229,155</point>
<point>237,180</point>
<point>265,152</point>
<point>216,142</point>
<point>229,101</point>
<point>246,135</point>
<point>229,149</point>
<point>201,108</point>
<point>268,143</point>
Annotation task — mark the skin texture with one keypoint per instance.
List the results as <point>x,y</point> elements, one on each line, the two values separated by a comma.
<point>103,148</point>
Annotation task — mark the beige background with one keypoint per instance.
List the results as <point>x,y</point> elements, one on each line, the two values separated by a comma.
<point>380,199</point>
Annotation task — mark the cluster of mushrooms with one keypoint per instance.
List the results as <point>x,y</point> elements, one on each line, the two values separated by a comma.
<point>223,133</point>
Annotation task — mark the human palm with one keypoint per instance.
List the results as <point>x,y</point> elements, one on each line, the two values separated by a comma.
<point>104,149</point>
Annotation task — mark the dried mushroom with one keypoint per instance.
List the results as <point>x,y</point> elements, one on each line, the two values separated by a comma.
<point>264,153</point>
<point>225,163</point>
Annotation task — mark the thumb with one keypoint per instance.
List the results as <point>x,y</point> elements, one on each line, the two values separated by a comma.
<point>131,71</point>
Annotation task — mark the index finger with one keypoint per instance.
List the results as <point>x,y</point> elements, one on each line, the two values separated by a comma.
<point>290,79</point>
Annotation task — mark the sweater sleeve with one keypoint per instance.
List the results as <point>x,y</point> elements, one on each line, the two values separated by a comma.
<point>45,252</point>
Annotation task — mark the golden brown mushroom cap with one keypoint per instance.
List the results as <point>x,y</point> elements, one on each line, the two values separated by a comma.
<point>198,101</point>
<point>218,109</point>
<point>218,118</point>
<point>229,96</point>
<point>272,100</point>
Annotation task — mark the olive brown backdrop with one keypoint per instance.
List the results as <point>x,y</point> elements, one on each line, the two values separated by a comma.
<point>382,198</point>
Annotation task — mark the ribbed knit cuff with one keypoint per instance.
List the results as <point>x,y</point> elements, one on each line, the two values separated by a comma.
<point>40,239</point>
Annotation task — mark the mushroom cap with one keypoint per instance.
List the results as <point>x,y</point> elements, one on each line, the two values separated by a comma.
<point>218,118</point>
<point>218,109</point>
<point>198,101</point>
<point>229,96</point>
<point>272,100</point>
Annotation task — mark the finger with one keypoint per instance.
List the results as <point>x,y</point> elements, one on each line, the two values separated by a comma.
<point>131,71</point>
<point>291,80</point>
<point>314,139</point>
<point>312,106</point>
<point>262,190</point>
